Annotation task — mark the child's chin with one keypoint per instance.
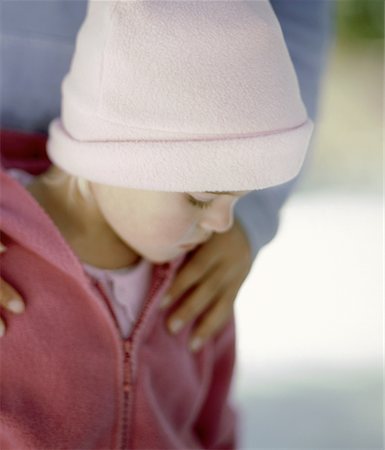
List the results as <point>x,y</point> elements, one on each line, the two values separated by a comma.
<point>162,259</point>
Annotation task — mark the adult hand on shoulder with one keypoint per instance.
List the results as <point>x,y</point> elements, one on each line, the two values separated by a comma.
<point>9,298</point>
<point>209,282</point>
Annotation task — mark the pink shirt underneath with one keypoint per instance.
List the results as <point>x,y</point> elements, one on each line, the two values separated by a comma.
<point>126,287</point>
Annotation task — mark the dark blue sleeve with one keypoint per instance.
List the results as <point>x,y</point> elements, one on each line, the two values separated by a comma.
<point>308,29</point>
<point>37,43</point>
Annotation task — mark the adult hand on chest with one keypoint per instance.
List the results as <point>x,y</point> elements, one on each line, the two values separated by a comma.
<point>207,284</point>
<point>9,298</point>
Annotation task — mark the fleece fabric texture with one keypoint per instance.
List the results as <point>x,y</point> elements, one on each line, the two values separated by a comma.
<point>39,66</point>
<point>181,96</point>
<point>69,381</point>
<point>125,287</point>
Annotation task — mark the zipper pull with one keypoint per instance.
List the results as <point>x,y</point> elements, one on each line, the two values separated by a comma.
<point>127,348</point>
<point>127,379</point>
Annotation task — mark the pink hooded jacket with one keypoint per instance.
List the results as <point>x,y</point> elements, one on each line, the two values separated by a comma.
<point>69,381</point>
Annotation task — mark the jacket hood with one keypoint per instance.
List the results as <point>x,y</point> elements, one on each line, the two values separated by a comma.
<point>31,226</point>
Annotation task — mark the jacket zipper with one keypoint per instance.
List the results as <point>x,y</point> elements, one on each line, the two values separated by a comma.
<point>159,277</point>
<point>126,392</point>
<point>126,387</point>
<point>125,349</point>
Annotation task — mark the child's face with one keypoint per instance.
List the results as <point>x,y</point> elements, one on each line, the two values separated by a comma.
<point>160,225</point>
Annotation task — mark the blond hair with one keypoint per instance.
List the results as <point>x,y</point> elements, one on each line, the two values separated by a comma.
<point>76,186</point>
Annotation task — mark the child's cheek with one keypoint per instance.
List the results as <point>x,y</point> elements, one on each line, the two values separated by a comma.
<point>175,227</point>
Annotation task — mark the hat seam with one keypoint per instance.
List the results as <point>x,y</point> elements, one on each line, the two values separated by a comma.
<point>250,135</point>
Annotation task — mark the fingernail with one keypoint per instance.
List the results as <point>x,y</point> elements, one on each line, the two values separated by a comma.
<point>176,325</point>
<point>196,344</point>
<point>16,306</point>
<point>165,301</point>
<point>2,328</point>
<point>2,248</point>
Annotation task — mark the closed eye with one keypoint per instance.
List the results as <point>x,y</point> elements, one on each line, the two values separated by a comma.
<point>198,203</point>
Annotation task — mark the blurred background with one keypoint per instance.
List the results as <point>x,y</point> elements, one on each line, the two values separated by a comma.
<point>310,315</point>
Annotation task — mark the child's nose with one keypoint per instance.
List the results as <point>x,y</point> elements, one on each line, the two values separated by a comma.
<point>218,220</point>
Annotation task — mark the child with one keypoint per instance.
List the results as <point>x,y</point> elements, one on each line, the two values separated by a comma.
<point>166,105</point>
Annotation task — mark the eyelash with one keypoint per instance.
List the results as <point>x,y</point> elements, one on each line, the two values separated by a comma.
<point>199,204</point>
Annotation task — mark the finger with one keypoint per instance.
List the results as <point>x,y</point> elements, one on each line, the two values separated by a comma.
<point>189,275</point>
<point>2,327</point>
<point>212,322</point>
<point>10,299</point>
<point>2,247</point>
<point>192,306</point>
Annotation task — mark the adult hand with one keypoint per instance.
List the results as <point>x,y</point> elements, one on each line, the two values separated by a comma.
<point>9,298</point>
<point>209,281</point>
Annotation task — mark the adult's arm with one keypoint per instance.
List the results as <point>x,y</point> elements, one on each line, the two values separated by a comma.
<point>308,28</point>
<point>37,43</point>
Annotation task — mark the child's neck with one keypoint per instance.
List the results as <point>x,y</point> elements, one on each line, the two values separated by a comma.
<point>87,233</point>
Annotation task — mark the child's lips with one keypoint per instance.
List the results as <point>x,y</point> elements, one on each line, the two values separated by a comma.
<point>188,246</point>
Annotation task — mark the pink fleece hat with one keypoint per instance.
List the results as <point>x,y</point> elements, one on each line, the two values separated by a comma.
<point>181,96</point>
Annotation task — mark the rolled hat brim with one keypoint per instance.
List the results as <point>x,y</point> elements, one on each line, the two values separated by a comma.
<point>255,161</point>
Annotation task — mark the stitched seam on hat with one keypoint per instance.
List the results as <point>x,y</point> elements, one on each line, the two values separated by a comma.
<point>205,139</point>
<point>230,136</point>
